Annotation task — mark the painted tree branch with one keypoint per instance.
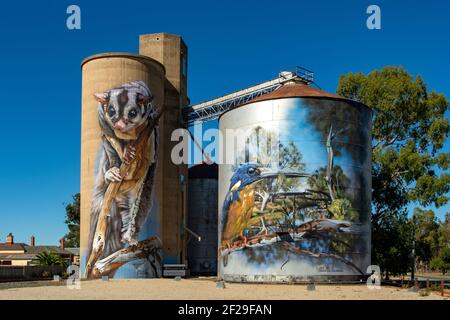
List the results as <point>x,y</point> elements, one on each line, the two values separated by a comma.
<point>330,157</point>
<point>142,250</point>
<point>317,227</point>
<point>291,248</point>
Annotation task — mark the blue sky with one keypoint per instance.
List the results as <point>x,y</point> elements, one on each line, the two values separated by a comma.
<point>232,44</point>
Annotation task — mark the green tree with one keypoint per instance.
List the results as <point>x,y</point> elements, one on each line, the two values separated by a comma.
<point>73,222</point>
<point>442,262</point>
<point>427,234</point>
<point>408,134</point>
<point>50,259</point>
<point>444,232</point>
<point>391,243</point>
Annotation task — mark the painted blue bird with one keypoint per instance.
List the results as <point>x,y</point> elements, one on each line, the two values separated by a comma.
<point>240,199</point>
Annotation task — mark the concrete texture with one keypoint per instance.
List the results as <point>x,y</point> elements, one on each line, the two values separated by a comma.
<point>171,51</point>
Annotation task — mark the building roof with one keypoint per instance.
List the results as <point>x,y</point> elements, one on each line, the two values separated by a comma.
<point>12,247</point>
<point>297,90</point>
<point>50,249</point>
<point>75,251</point>
<point>33,250</point>
<point>18,257</point>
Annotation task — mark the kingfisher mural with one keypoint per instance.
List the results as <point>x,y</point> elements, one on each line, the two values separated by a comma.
<point>237,211</point>
<point>301,211</point>
<point>123,187</point>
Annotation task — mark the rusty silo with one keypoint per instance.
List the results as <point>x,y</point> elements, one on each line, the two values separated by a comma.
<point>294,203</point>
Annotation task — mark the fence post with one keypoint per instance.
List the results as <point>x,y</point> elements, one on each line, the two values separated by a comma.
<point>442,287</point>
<point>403,278</point>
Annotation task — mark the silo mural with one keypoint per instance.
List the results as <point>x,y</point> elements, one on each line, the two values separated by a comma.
<point>122,102</point>
<point>124,179</point>
<point>295,204</point>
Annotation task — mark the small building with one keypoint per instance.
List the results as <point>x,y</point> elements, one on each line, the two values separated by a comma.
<point>22,254</point>
<point>76,255</point>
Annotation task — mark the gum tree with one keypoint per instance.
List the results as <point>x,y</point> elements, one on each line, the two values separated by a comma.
<point>408,165</point>
<point>73,222</point>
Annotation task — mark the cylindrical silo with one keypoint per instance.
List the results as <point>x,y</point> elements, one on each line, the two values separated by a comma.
<point>120,180</point>
<point>202,219</point>
<point>295,188</point>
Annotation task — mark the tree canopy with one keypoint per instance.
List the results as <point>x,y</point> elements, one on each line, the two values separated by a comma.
<point>409,129</point>
<point>73,222</point>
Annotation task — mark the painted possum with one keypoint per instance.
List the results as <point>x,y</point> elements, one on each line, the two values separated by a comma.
<point>124,112</point>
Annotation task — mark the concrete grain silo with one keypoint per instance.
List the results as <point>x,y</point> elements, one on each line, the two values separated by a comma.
<point>133,197</point>
<point>101,73</point>
<point>171,51</point>
<point>294,202</point>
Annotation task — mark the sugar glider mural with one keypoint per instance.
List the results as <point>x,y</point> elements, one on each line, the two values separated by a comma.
<point>123,187</point>
<point>301,209</point>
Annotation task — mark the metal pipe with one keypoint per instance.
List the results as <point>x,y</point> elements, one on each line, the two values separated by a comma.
<point>199,238</point>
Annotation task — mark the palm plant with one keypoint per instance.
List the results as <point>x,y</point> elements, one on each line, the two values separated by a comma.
<point>50,259</point>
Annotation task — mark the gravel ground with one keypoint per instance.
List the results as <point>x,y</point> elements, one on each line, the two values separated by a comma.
<point>198,288</point>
